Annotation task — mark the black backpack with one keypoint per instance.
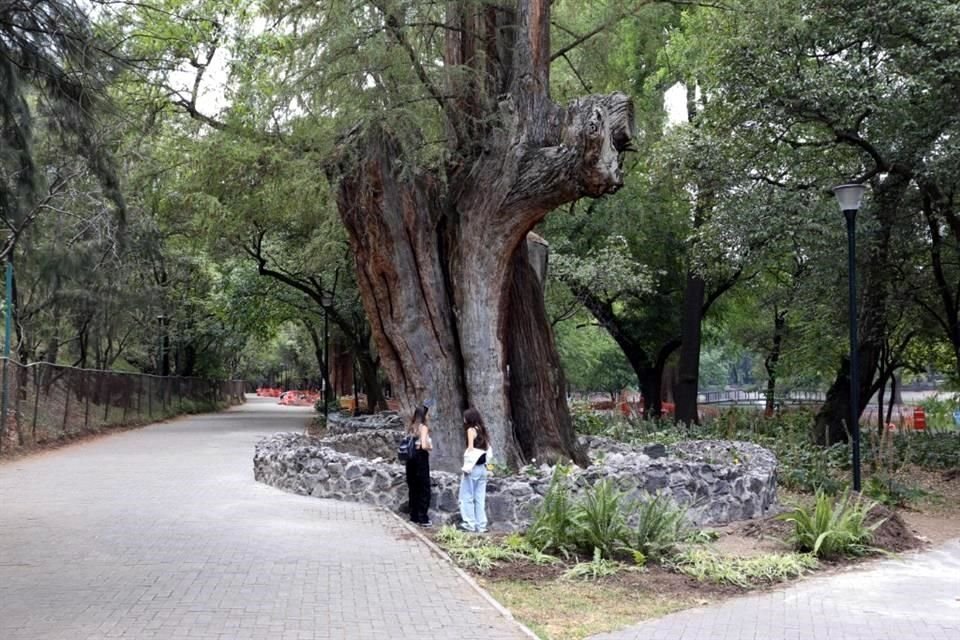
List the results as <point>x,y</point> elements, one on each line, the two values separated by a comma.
<point>407,448</point>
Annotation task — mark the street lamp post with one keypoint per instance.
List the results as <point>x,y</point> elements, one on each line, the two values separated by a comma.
<point>849,197</point>
<point>326,298</point>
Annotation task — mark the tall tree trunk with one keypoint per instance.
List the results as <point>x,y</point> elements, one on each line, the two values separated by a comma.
<point>650,389</point>
<point>165,346</point>
<point>832,420</point>
<point>894,397</point>
<point>370,375</point>
<point>435,254</point>
<point>318,352</point>
<point>536,380</point>
<point>688,369</point>
<point>880,406</point>
<point>649,371</point>
<point>773,358</point>
<point>189,360</point>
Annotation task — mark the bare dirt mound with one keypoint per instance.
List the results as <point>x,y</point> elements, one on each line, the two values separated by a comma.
<point>894,534</point>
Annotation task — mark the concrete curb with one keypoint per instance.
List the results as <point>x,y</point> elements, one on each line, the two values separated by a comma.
<point>502,610</point>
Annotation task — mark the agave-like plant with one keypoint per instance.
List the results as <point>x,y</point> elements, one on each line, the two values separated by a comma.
<point>833,528</point>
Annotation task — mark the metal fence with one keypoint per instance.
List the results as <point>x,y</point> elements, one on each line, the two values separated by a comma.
<point>760,397</point>
<point>46,403</point>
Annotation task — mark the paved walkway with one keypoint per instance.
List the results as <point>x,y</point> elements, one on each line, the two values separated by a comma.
<point>916,597</point>
<point>162,533</point>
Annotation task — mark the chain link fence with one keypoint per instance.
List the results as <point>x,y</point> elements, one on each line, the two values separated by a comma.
<point>46,403</point>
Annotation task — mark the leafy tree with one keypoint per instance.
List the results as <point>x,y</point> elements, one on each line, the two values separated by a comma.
<point>842,94</point>
<point>444,154</point>
<point>591,359</point>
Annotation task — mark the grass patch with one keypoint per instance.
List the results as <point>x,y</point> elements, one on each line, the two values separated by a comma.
<point>481,554</point>
<point>572,610</point>
<point>707,566</point>
<point>597,568</point>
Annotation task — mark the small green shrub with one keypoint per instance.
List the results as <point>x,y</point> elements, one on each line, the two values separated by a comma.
<point>660,525</point>
<point>452,537</point>
<point>701,536</point>
<point>707,566</point>
<point>597,568</point>
<point>482,557</point>
<point>522,547</point>
<point>587,422</point>
<point>552,528</point>
<point>930,450</point>
<point>832,528</point>
<point>474,552</point>
<point>891,492</point>
<point>598,519</point>
<point>939,410</point>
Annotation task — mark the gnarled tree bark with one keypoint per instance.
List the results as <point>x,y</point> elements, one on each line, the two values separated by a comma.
<point>437,253</point>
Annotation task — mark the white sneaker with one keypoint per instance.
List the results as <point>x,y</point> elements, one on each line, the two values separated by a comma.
<point>465,527</point>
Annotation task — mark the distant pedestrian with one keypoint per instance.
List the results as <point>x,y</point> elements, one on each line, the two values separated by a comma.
<point>473,483</point>
<point>418,468</point>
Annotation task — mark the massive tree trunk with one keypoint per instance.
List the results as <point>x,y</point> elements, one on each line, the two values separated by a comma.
<point>536,379</point>
<point>436,254</point>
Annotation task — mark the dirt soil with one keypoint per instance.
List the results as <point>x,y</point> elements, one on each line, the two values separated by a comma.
<point>652,579</point>
<point>893,535</point>
<point>936,517</point>
<point>769,535</point>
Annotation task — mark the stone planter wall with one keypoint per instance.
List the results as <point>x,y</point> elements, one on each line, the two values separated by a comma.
<point>339,423</point>
<point>718,481</point>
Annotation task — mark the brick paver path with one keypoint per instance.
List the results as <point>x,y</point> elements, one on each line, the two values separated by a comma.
<point>916,597</point>
<point>162,533</point>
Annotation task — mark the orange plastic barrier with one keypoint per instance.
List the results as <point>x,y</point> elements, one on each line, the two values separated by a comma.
<point>299,398</point>
<point>919,419</point>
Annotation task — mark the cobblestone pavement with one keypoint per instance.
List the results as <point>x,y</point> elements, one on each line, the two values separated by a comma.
<point>162,533</point>
<point>916,597</point>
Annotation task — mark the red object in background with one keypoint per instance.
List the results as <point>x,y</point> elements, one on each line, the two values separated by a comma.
<point>299,398</point>
<point>919,419</point>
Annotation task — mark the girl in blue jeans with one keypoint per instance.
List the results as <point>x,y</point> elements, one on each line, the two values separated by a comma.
<point>473,483</point>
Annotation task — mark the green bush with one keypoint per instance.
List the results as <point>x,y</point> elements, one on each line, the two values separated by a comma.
<point>552,528</point>
<point>587,422</point>
<point>660,525</point>
<point>832,528</point>
<point>522,547</point>
<point>939,410</point>
<point>889,491</point>
<point>475,552</point>
<point>929,450</point>
<point>598,520</point>
<point>706,566</point>
<point>597,568</point>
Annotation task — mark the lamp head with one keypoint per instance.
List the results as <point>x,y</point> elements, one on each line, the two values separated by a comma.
<point>849,196</point>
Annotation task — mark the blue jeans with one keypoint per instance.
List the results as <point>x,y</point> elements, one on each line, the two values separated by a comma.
<point>473,498</point>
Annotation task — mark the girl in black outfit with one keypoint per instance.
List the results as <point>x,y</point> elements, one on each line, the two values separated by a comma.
<point>418,469</point>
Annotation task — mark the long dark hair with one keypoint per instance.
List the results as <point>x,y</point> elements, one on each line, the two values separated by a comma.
<point>473,419</point>
<point>419,417</point>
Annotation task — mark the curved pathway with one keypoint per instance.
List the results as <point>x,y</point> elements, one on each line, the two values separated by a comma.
<point>162,533</point>
<point>915,597</point>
